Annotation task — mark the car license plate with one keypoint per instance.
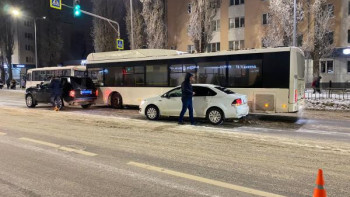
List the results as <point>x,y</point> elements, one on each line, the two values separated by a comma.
<point>84,92</point>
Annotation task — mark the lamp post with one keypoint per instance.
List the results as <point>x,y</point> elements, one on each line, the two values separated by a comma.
<point>132,31</point>
<point>295,24</point>
<point>35,38</point>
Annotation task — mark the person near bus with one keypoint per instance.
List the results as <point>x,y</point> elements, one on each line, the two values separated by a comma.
<point>13,84</point>
<point>8,82</point>
<point>316,84</point>
<point>187,94</point>
<point>56,93</point>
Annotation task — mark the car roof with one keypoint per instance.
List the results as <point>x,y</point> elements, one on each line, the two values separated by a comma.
<point>203,85</point>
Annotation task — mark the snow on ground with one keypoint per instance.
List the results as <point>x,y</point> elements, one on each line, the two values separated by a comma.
<point>327,104</point>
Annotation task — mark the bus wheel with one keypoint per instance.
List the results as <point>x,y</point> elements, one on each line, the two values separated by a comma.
<point>30,101</point>
<point>116,101</point>
<point>215,116</point>
<point>152,112</point>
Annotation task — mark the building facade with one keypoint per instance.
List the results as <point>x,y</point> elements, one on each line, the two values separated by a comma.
<point>23,57</point>
<point>241,24</point>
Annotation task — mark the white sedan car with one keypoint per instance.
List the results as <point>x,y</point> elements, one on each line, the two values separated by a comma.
<point>209,101</point>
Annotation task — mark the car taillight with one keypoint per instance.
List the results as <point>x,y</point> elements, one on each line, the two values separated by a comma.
<point>237,102</point>
<point>72,93</point>
<point>96,92</point>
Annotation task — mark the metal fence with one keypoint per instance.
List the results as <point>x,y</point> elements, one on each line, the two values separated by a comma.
<point>328,93</point>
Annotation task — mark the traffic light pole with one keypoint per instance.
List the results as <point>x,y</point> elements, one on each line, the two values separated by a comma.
<point>100,17</point>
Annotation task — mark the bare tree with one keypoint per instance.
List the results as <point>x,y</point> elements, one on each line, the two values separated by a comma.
<point>103,33</point>
<point>280,20</point>
<point>50,44</point>
<point>153,13</point>
<point>138,24</point>
<point>200,24</point>
<point>6,42</point>
<point>319,41</point>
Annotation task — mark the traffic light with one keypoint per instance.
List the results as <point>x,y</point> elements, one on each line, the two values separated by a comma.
<point>76,8</point>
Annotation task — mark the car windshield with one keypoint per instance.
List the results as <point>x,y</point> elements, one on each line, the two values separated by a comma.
<point>227,91</point>
<point>82,83</point>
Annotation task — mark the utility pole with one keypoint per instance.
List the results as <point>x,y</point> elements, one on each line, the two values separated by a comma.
<point>132,26</point>
<point>295,24</point>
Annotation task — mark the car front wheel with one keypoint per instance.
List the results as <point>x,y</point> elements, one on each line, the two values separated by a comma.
<point>30,101</point>
<point>215,116</point>
<point>152,112</point>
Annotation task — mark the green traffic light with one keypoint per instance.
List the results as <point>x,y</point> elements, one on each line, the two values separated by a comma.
<point>77,11</point>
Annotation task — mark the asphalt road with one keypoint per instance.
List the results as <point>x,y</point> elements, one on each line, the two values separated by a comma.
<point>107,152</point>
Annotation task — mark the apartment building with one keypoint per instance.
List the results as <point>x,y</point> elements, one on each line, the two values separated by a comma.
<point>23,57</point>
<point>241,24</point>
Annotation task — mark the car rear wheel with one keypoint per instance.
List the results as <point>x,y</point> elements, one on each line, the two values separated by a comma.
<point>152,112</point>
<point>215,116</point>
<point>30,101</point>
<point>86,106</point>
<point>116,101</point>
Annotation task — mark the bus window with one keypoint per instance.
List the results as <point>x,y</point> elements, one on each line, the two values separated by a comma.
<point>212,73</point>
<point>66,72</point>
<point>42,75</point>
<point>134,76</point>
<point>29,77</point>
<point>245,73</point>
<point>49,74</point>
<point>178,73</point>
<point>78,73</point>
<point>157,75</point>
<point>96,74</point>
<point>113,76</point>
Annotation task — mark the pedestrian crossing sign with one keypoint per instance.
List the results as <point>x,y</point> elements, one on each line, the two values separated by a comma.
<point>57,4</point>
<point>120,44</point>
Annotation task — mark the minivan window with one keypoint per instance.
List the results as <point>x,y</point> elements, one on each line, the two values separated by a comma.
<point>227,91</point>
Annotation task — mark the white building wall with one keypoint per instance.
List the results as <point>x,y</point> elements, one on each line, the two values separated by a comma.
<point>233,12</point>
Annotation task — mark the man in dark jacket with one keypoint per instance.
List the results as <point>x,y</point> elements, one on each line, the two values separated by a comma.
<point>187,93</point>
<point>56,87</point>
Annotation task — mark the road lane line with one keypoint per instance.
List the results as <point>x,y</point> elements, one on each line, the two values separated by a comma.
<point>77,151</point>
<point>205,180</point>
<point>1,133</point>
<point>59,147</point>
<point>40,142</point>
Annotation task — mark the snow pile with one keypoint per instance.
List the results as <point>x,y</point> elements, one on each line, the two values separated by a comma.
<point>327,104</point>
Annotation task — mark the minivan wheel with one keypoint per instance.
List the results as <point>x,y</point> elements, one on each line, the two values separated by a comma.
<point>116,101</point>
<point>152,112</point>
<point>30,101</point>
<point>215,116</point>
<point>86,106</point>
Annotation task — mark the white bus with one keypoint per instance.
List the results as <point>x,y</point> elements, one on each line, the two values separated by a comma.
<point>272,78</point>
<point>37,75</point>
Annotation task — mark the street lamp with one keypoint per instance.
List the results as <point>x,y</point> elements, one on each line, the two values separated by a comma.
<point>35,38</point>
<point>17,13</point>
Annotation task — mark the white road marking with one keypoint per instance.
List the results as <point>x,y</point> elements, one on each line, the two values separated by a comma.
<point>59,147</point>
<point>204,180</point>
<point>1,133</point>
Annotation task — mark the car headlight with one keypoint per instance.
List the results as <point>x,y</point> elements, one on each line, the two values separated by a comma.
<point>143,102</point>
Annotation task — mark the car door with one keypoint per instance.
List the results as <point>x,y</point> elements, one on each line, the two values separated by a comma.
<point>171,103</point>
<point>201,100</point>
<point>44,93</point>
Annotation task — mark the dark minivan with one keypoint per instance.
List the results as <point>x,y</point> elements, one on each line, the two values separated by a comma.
<point>75,91</point>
